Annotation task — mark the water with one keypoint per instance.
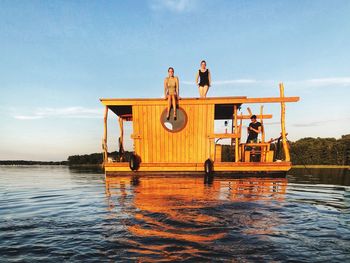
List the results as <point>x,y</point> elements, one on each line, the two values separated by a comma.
<point>51,214</point>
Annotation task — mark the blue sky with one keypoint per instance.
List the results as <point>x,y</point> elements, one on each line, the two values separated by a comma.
<point>59,57</point>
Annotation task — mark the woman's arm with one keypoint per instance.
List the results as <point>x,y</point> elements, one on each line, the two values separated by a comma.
<point>165,87</point>
<point>197,77</point>
<point>209,77</point>
<point>177,87</point>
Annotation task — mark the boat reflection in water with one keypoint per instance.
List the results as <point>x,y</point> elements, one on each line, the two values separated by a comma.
<point>184,211</point>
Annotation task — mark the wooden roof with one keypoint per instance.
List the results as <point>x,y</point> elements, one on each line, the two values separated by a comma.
<point>223,105</point>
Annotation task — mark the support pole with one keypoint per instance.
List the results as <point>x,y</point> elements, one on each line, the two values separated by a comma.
<point>240,135</point>
<point>232,127</point>
<point>104,143</point>
<point>121,137</point>
<point>283,126</point>
<point>236,132</point>
<point>262,124</point>
<point>250,112</point>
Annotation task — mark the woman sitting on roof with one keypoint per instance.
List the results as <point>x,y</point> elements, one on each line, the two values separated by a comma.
<point>171,91</point>
<point>204,77</point>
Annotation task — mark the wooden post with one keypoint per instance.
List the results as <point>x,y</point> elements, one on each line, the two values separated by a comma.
<point>250,112</point>
<point>283,125</point>
<point>262,124</point>
<point>236,132</point>
<point>240,135</point>
<point>121,138</point>
<point>105,149</point>
<point>233,126</point>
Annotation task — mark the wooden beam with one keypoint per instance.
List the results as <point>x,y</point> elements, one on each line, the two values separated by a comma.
<point>283,125</point>
<point>240,133</point>
<point>104,143</point>
<point>261,116</point>
<point>236,132</point>
<point>250,112</point>
<point>196,101</point>
<point>191,167</point>
<point>224,136</point>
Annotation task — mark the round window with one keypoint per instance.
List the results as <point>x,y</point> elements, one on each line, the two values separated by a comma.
<point>171,124</point>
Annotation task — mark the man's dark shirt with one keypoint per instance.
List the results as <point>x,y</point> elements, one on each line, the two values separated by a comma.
<point>252,134</point>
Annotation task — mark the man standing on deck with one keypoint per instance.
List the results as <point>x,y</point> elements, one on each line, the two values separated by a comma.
<point>254,129</point>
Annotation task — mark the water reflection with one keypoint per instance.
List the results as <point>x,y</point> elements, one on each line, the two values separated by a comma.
<point>320,176</point>
<point>50,214</point>
<point>188,211</point>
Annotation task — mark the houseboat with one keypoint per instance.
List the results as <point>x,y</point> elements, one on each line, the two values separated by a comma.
<point>188,144</point>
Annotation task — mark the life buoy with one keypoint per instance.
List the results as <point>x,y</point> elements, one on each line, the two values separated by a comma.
<point>134,162</point>
<point>208,167</point>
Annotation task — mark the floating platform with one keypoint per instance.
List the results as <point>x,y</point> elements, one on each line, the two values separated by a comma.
<point>188,144</point>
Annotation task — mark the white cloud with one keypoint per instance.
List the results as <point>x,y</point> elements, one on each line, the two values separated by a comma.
<point>329,81</point>
<point>68,112</point>
<point>321,122</point>
<point>25,117</point>
<point>172,5</point>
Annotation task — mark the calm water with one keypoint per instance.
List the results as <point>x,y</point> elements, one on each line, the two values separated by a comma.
<point>51,214</point>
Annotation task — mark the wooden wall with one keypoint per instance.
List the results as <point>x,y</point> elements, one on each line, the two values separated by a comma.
<point>157,145</point>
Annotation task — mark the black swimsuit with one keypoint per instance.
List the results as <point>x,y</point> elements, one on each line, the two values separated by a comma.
<point>204,78</point>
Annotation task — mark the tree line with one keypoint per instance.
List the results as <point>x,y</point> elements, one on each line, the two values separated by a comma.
<point>23,162</point>
<point>305,151</point>
<point>321,151</point>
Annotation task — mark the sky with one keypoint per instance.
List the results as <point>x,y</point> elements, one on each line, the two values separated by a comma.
<point>59,57</point>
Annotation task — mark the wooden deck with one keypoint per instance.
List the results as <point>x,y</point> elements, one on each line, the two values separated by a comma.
<point>199,167</point>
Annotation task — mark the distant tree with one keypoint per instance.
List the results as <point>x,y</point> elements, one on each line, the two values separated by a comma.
<point>321,151</point>
<point>97,158</point>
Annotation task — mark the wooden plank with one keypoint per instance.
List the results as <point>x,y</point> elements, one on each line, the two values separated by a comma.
<point>163,144</point>
<point>211,142</point>
<point>147,146</point>
<point>151,123</point>
<point>154,133</point>
<point>141,141</point>
<point>224,135</point>
<point>247,117</point>
<point>190,132</point>
<point>136,130</point>
<point>200,132</point>
<point>186,135</point>
<point>158,126</point>
<point>183,145</point>
<point>167,146</point>
<point>195,132</point>
<point>222,164</point>
<point>218,167</point>
<point>206,122</point>
<point>197,101</point>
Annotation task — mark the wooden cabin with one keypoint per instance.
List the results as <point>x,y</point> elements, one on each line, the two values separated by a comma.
<point>189,143</point>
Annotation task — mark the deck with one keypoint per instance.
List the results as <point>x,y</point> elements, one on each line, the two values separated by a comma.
<point>219,167</point>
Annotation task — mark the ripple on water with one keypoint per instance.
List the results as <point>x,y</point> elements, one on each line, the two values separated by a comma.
<point>61,214</point>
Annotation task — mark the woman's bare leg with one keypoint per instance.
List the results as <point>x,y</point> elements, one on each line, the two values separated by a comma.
<point>174,104</point>
<point>169,106</point>
<point>205,91</point>
<point>201,91</point>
